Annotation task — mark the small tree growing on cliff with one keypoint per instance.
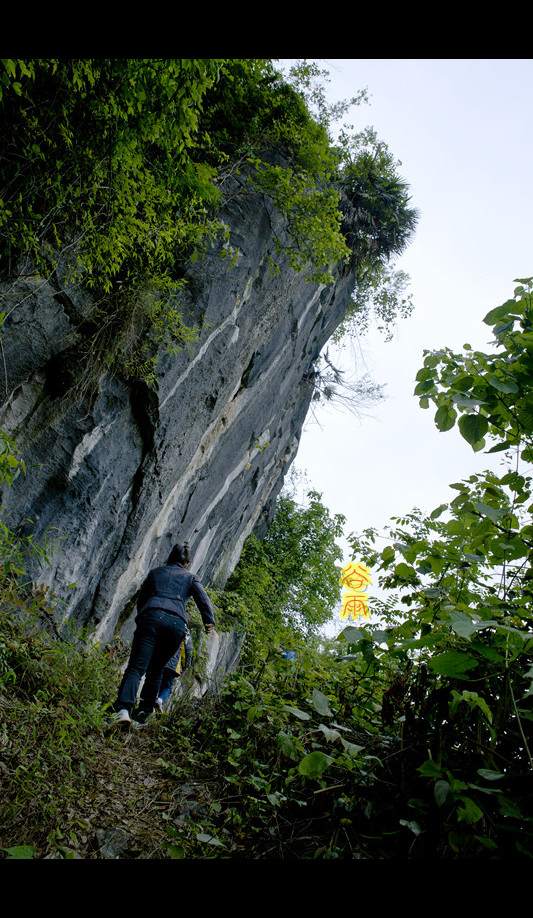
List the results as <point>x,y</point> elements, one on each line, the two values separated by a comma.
<point>290,579</point>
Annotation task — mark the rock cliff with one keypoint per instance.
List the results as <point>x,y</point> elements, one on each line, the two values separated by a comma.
<point>115,479</point>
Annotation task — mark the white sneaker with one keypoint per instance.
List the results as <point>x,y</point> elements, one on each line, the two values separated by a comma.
<point>159,705</point>
<point>121,717</point>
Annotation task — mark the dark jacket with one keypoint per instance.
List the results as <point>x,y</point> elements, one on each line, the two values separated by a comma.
<point>169,587</point>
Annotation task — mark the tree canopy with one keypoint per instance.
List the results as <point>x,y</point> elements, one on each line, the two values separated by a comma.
<point>289,581</point>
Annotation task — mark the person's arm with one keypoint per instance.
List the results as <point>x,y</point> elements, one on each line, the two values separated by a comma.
<point>204,606</point>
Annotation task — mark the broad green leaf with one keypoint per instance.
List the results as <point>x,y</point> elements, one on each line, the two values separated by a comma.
<point>500,312</point>
<point>440,791</point>
<point>388,554</point>
<point>470,811</point>
<point>321,704</point>
<point>288,745</point>
<point>452,663</point>
<point>381,637</point>
<point>473,427</point>
<point>455,527</point>
<point>487,842</point>
<point>507,386</point>
<point>424,373</point>
<point>489,774</point>
<point>424,386</point>
<point>302,715</point>
<point>314,764</point>
<point>436,564</point>
<point>353,635</point>
<point>472,699</point>
<point>507,444</point>
<point>176,851</point>
<point>486,510</point>
<point>258,782</point>
<point>429,769</point>
<point>462,624</point>
<point>331,735</point>
<point>405,571</point>
<point>501,330</point>
<point>20,852</point>
<point>351,748</point>
<point>461,383</point>
<point>467,401</point>
<point>445,418</point>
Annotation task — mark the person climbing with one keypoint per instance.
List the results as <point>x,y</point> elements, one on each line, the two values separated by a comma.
<point>160,630</point>
<point>176,666</point>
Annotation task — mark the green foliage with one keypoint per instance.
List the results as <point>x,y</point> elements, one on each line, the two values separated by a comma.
<point>272,741</point>
<point>466,638</point>
<point>314,221</point>
<point>378,217</point>
<point>53,698</point>
<point>15,549</point>
<point>291,577</point>
<point>10,464</point>
<point>487,394</point>
<point>379,299</point>
<point>116,168</point>
<point>301,546</point>
<point>96,169</point>
<point>378,222</point>
<point>95,152</point>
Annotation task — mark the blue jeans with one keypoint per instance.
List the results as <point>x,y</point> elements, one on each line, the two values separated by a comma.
<point>166,684</point>
<point>157,637</point>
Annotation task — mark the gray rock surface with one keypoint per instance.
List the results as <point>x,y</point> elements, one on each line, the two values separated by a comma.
<point>112,483</point>
<point>217,656</point>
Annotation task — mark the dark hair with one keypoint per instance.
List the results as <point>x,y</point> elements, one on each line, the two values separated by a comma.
<point>180,554</point>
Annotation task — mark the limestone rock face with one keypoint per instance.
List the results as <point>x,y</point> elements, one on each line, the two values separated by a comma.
<point>113,482</point>
<point>217,657</point>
